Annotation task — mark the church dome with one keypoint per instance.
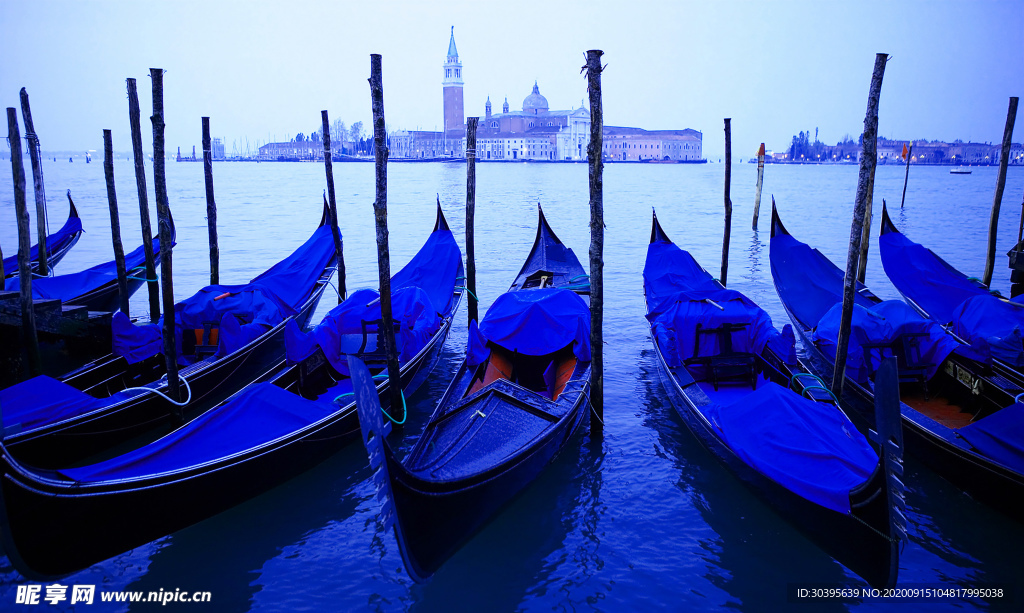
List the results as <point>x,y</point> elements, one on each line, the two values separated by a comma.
<point>535,103</point>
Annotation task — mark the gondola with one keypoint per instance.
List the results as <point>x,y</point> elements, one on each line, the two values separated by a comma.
<point>58,521</point>
<point>57,246</point>
<point>958,417</point>
<point>227,337</point>
<point>515,402</point>
<point>73,316</point>
<point>964,306</point>
<point>733,379</point>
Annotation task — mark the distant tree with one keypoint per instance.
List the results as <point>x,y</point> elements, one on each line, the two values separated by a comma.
<point>299,137</point>
<point>356,132</point>
<point>315,136</point>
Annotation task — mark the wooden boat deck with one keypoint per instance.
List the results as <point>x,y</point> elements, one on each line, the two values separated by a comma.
<point>939,409</point>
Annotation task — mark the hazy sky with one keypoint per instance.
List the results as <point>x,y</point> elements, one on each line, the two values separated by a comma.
<point>265,69</point>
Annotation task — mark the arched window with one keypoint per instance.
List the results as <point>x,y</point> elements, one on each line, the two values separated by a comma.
<point>494,124</point>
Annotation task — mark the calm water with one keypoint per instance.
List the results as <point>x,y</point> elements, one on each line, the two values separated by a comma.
<point>645,518</point>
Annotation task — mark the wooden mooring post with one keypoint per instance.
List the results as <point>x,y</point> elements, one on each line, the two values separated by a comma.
<point>140,184</point>
<point>380,217</point>
<point>472,305</point>
<point>728,201</point>
<point>906,175</point>
<point>211,204</point>
<point>115,222</point>
<point>163,216</point>
<point>865,181</point>
<point>760,182</point>
<point>333,205</point>
<point>37,182</point>
<point>993,222</point>
<point>28,314</point>
<point>595,163</point>
<point>865,242</point>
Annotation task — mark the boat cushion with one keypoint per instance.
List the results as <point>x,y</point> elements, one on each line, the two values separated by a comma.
<point>259,414</point>
<point>675,319</point>
<point>539,322</point>
<point>70,286</point>
<point>992,321</point>
<point>808,447</point>
<point>43,400</point>
<point>999,436</point>
<point>884,323</point>
<point>924,277</point>
<point>268,299</point>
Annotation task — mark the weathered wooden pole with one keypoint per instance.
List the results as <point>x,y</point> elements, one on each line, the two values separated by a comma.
<point>37,182</point>
<point>140,183</point>
<point>163,217</point>
<point>115,222</point>
<point>865,181</point>
<point>28,314</point>
<point>333,205</point>
<point>760,182</point>
<point>728,200</point>
<point>3,274</point>
<point>906,175</point>
<point>211,205</point>
<point>472,306</point>
<point>865,241</point>
<point>993,222</point>
<point>596,171</point>
<point>380,216</point>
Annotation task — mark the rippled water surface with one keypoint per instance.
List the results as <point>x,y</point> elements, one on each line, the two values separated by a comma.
<point>645,517</point>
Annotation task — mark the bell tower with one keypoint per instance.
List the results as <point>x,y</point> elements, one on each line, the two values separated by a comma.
<point>454,113</point>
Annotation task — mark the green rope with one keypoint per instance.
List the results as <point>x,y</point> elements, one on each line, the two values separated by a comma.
<point>339,397</point>
<point>579,277</point>
<point>405,412</point>
<point>469,292</point>
<point>818,387</point>
<point>144,279</point>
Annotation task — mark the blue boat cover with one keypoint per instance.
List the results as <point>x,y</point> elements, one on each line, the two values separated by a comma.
<point>267,300</point>
<point>43,400</point>
<point>259,414</point>
<point>71,227</point>
<point>884,323</point>
<point>678,293</point>
<point>987,320</point>
<point>924,277</point>
<point>534,322</point>
<point>808,447</point>
<point>421,294</point>
<point>808,282</point>
<point>675,318</point>
<point>999,436</point>
<point>68,287</point>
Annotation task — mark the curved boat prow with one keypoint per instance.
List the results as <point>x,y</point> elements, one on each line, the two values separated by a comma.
<point>880,503</point>
<point>74,211</point>
<point>374,432</point>
<point>777,227</point>
<point>887,224</point>
<point>441,223</point>
<point>657,233</point>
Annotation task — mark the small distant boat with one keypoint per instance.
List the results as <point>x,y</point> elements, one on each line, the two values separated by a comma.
<point>959,171</point>
<point>515,403</point>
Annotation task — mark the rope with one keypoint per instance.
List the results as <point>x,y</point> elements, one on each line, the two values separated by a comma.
<point>469,292</point>
<point>405,412</point>
<point>340,396</point>
<point>1018,397</point>
<point>144,279</point>
<point>818,387</point>
<point>579,277</point>
<point>165,396</point>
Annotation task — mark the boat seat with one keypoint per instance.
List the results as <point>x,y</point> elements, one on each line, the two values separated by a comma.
<point>206,339</point>
<point>727,365</point>
<point>499,366</point>
<point>907,350</point>
<point>376,354</point>
<point>562,371</point>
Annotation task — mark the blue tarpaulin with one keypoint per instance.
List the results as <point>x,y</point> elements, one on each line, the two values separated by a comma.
<point>924,277</point>
<point>990,320</point>
<point>884,323</point>
<point>267,300</point>
<point>536,322</point>
<point>808,447</point>
<point>999,436</point>
<point>43,400</point>
<point>681,294</point>
<point>421,294</point>
<point>71,227</point>
<point>259,414</point>
<point>808,282</point>
<point>70,286</point>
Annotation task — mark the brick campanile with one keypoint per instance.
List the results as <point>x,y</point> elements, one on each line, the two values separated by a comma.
<point>454,111</point>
